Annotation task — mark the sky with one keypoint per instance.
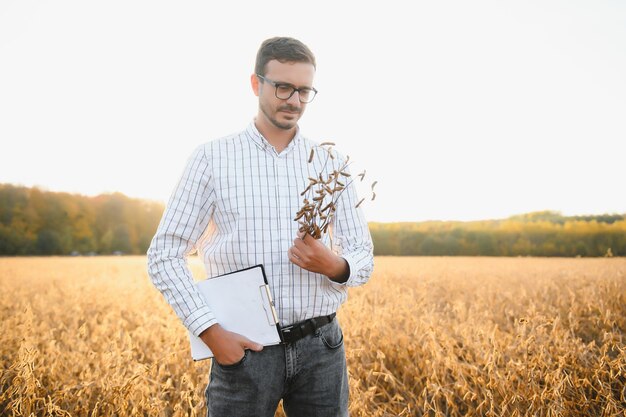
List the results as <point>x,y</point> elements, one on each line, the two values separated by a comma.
<point>461,110</point>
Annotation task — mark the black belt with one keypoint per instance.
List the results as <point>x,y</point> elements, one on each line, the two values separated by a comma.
<point>296,331</point>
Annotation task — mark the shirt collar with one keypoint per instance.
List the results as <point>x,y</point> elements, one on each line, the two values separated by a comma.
<point>260,140</point>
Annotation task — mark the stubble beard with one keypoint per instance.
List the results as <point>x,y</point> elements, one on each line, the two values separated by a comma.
<point>278,124</point>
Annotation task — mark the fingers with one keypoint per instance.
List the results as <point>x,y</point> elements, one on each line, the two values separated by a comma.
<point>297,252</point>
<point>257,347</point>
<point>299,243</point>
<point>230,353</point>
<point>293,257</point>
<point>306,247</point>
<point>229,348</point>
<point>249,344</point>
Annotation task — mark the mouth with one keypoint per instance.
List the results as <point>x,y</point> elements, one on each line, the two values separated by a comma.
<point>289,110</point>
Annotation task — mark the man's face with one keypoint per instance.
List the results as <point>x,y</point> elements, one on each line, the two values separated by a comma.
<point>284,114</point>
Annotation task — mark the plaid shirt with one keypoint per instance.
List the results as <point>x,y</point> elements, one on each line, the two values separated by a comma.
<point>235,204</point>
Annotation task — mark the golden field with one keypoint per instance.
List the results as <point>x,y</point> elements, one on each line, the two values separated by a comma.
<point>426,336</point>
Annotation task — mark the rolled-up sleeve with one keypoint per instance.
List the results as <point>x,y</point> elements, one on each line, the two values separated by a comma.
<point>351,238</point>
<point>184,221</point>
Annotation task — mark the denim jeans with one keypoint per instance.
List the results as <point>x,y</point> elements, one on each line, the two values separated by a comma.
<point>309,375</point>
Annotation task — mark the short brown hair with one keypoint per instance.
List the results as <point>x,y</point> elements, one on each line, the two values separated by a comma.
<point>282,49</point>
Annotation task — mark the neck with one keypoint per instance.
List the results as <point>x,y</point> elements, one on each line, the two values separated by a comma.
<point>278,138</point>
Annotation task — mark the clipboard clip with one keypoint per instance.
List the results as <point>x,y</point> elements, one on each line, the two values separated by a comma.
<point>272,317</point>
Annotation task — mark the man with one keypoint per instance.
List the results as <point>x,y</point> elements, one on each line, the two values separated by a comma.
<point>235,204</point>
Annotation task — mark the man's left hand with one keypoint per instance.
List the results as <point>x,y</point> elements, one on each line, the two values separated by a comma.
<point>311,254</point>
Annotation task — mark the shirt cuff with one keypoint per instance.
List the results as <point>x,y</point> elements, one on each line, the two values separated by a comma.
<point>200,320</point>
<point>351,273</point>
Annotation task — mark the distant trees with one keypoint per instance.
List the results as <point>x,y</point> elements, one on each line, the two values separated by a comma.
<point>36,222</point>
<point>544,233</point>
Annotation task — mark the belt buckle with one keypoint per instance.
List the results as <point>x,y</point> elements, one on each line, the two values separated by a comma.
<point>286,332</point>
<point>287,329</point>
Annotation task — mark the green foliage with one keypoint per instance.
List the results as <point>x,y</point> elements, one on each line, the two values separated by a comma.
<point>36,222</point>
<point>545,233</point>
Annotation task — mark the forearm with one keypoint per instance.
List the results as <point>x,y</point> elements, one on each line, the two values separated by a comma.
<point>184,220</point>
<point>172,277</point>
<point>352,239</point>
<point>338,269</point>
<point>360,262</point>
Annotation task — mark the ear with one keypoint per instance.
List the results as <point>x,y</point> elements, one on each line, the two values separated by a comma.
<point>254,82</point>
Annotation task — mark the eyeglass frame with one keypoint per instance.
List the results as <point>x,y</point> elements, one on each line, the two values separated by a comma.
<point>277,84</point>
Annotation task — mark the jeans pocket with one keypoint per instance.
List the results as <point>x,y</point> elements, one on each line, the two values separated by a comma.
<point>233,365</point>
<point>331,335</point>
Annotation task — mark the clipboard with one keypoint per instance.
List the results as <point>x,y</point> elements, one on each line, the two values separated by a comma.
<point>242,303</point>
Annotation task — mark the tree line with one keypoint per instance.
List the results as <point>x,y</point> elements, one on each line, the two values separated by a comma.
<point>545,233</point>
<point>37,222</point>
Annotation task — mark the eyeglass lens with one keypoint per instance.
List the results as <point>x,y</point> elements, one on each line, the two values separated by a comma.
<point>284,92</point>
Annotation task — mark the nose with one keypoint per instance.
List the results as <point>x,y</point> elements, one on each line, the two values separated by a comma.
<point>294,100</point>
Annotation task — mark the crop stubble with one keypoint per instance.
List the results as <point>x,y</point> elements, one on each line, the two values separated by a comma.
<point>426,336</point>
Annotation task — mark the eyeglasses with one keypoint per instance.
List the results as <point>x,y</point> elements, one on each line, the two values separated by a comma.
<point>284,91</point>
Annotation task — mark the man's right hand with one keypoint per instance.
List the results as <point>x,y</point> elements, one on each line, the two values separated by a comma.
<point>228,348</point>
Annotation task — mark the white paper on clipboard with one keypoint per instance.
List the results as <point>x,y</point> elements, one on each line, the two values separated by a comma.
<point>242,303</point>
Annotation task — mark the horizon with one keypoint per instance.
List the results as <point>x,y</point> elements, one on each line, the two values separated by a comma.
<point>460,110</point>
<point>547,210</point>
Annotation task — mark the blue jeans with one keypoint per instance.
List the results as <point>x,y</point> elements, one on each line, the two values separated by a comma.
<point>309,375</point>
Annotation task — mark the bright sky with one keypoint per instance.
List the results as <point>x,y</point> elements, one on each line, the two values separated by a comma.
<point>461,110</point>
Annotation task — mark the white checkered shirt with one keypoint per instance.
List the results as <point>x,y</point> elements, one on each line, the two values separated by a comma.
<point>235,204</point>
